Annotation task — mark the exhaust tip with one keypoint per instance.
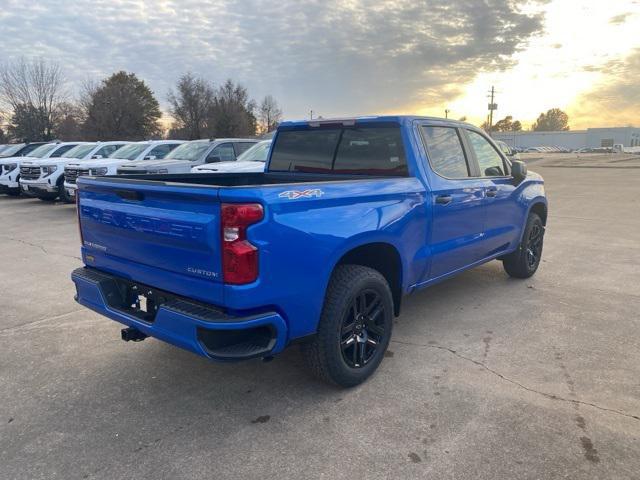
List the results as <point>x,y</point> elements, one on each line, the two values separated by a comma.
<point>131,334</point>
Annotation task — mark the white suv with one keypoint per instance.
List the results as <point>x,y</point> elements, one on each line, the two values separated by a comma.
<point>143,151</point>
<point>44,178</point>
<point>252,160</point>
<point>29,167</point>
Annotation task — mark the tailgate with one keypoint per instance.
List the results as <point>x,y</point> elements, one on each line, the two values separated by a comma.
<point>164,235</point>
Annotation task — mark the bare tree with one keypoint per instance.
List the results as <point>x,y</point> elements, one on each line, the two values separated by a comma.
<point>36,87</point>
<point>269,114</point>
<point>190,106</point>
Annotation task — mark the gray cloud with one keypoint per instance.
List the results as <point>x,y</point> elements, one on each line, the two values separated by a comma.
<point>333,56</point>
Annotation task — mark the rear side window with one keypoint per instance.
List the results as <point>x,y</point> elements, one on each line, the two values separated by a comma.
<point>61,150</point>
<point>445,151</point>
<point>489,160</point>
<point>375,150</point>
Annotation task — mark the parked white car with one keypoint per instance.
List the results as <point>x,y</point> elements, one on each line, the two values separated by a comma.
<point>253,160</point>
<point>190,154</point>
<point>142,151</point>
<point>44,178</point>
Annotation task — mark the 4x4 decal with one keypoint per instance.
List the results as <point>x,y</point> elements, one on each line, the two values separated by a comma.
<point>295,194</point>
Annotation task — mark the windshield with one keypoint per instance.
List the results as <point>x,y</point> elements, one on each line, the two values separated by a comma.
<point>257,153</point>
<point>80,151</point>
<point>130,152</point>
<point>191,151</point>
<point>11,151</point>
<point>42,150</point>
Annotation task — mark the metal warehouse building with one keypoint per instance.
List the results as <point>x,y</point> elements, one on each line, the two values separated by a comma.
<point>573,139</point>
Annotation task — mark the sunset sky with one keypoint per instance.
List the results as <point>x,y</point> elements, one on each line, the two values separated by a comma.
<point>356,57</point>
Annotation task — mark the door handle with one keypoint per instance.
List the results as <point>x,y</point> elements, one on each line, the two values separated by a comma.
<point>492,192</point>
<point>444,199</point>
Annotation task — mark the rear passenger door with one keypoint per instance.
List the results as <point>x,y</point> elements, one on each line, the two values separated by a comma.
<point>502,213</point>
<point>457,200</point>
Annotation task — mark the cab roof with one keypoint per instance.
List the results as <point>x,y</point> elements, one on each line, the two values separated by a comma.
<point>348,121</point>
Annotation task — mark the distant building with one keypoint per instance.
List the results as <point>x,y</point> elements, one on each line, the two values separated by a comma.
<point>573,139</point>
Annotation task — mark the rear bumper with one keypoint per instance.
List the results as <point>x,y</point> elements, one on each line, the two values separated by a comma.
<point>201,329</point>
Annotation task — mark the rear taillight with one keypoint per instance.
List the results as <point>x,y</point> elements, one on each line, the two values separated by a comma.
<point>239,256</point>
<point>78,214</point>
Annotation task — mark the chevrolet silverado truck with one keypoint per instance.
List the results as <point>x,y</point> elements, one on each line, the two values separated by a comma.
<point>319,249</point>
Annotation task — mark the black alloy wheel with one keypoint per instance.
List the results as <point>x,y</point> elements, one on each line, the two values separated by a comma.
<point>362,329</point>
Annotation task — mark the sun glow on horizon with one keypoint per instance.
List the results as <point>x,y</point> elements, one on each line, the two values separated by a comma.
<point>558,68</point>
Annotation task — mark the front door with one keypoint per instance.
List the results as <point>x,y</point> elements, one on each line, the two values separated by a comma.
<point>503,215</point>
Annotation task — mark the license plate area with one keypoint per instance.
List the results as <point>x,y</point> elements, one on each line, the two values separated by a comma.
<point>143,302</point>
<point>135,299</point>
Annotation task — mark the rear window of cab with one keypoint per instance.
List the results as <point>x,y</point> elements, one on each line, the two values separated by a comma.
<point>360,149</point>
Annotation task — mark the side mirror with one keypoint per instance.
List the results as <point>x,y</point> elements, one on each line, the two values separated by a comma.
<point>214,159</point>
<point>149,157</point>
<point>96,157</point>
<point>518,171</point>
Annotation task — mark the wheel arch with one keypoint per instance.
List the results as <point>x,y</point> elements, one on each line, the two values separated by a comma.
<point>539,207</point>
<point>382,257</point>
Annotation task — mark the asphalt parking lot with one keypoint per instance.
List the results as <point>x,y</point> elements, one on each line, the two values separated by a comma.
<point>486,377</point>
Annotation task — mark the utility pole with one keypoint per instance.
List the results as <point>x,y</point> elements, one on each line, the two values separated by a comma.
<point>492,106</point>
<point>446,113</point>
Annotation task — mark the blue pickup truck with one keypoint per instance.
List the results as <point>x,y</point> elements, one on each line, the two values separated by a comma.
<point>349,216</point>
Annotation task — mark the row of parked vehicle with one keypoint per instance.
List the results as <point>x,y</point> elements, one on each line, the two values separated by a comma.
<point>49,170</point>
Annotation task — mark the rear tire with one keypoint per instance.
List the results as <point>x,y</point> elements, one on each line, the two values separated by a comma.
<point>524,262</point>
<point>354,329</point>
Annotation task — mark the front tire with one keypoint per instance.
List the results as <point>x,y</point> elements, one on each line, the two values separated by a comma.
<point>64,196</point>
<point>524,262</point>
<point>354,329</point>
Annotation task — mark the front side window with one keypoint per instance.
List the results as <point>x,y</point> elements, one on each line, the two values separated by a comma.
<point>445,152</point>
<point>224,152</point>
<point>60,151</point>
<point>489,160</point>
<point>191,151</point>
<point>363,150</point>
<point>130,152</point>
<point>107,150</point>
<point>161,151</point>
<point>79,151</point>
